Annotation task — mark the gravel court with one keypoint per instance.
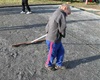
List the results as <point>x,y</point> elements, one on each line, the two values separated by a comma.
<point>82,45</point>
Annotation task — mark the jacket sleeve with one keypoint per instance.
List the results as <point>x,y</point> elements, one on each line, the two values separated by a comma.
<point>47,28</point>
<point>62,26</point>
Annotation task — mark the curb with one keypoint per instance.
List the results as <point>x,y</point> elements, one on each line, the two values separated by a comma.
<point>91,10</point>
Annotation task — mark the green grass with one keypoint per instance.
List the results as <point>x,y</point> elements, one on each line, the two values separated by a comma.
<point>82,4</point>
<point>76,3</point>
<point>18,2</point>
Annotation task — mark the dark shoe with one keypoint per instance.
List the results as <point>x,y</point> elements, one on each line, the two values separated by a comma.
<point>50,68</point>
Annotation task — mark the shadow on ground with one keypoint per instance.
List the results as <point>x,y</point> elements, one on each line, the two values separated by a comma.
<point>22,27</point>
<point>34,9</point>
<point>74,63</point>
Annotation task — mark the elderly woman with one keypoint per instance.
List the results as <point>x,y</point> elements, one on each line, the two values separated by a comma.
<point>56,29</point>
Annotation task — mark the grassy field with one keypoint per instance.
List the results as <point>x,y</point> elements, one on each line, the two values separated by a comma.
<point>32,2</point>
<point>82,4</point>
<point>18,2</point>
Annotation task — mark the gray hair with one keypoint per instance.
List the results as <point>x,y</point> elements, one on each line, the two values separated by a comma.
<point>67,6</point>
<point>64,5</point>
